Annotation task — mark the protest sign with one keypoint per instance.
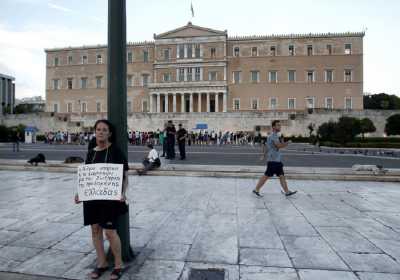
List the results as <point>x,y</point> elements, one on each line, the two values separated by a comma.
<point>100,181</point>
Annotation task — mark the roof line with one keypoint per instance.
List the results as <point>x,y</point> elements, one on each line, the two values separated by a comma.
<point>297,36</point>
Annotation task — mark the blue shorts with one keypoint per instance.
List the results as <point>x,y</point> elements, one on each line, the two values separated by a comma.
<point>274,168</point>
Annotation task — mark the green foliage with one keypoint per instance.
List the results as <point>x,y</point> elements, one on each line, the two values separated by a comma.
<point>40,137</point>
<point>326,131</point>
<point>366,126</point>
<point>346,130</point>
<point>4,133</point>
<point>392,126</point>
<point>382,101</point>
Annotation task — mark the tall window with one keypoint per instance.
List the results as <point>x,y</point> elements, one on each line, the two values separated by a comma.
<point>98,82</point>
<point>197,75</point>
<point>130,57</point>
<point>309,50</point>
<point>237,77</point>
<point>272,50</point>
<point>292,75</point>
<point>236,51</point>
<point>329,49</point>
<point>328,103</point>
<point>197,51</point>
<point>329,76</point>
<point>212,76</point>
<point>84,59</point>
<point>145,80</point>
<point>167,77</point>
<point>56,61</point>
<point>56,84</point>
<point>83,107</point>
<point>166,54</point>
<point>189,51</point>
<point>291,50</point>
<point>273,76</point>
<point>98,107</point>
<point>70,59</point>
<point>145,107</point>
<point>69,83</point>
<point>347,75</point>
<point>347,48</point>
<point>181,52</point>
<point>145,56</point>
<point>254,51</point>
<point>69,107</point>
<point>310,76</point>
<point>291,103</point>
<point>213,52</point>
<point>99,59</point>
<point>254,103</point>
<point>55,108</point>
<point>129,80</point>
<point>348,103</point>
<point>83,83</point>
<point>310,102</point>
<point>236,104</point>
<point>273,103</point>
<point>181,74</point>
<point>189,75</point>
<point>255,76</point>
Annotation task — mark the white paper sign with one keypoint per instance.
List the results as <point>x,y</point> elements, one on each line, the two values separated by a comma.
<point>100,181</point>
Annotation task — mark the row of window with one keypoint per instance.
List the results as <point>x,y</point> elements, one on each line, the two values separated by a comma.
<point>291,50</point>
<point>83,82</point>
<point>99,59</point>
<point>272,76</point>
<point>83,107</point>
<point>291,103</point>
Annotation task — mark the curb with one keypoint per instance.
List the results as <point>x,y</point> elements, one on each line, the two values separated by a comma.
<point>221,171</point>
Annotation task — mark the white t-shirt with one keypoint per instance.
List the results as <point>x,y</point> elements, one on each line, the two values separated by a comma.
<point>153,155</point>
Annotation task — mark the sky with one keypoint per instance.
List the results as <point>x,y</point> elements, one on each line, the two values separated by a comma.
<point>27,27</point>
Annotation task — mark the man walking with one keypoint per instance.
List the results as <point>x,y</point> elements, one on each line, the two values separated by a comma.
<point>274,163</point>
<point>181,135</point>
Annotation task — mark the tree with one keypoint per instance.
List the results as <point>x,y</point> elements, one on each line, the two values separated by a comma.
<point>4,133</point>
<point>366,126</point>
<point>392,126</point>
<point>326,130</point>
<point>346,130</point>
<point>311,128</point>
<point>381,101</point>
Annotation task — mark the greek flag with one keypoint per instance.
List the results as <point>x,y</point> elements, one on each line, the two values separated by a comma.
<point>191,9</point>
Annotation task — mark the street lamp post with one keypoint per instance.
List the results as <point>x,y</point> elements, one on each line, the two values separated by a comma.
<point>116,98</point>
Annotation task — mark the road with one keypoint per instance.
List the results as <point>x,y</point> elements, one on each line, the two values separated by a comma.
<point>295,155</point>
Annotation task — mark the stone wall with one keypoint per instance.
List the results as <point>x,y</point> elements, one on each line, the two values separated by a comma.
<point>240,121</point>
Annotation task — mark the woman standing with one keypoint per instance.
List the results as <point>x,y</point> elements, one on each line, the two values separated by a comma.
<point>102,215</point>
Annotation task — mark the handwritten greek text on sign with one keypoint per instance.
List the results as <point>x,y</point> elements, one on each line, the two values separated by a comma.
<point>100,181</point>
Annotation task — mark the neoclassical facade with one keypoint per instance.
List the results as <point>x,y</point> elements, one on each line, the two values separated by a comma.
<point>194,69</point>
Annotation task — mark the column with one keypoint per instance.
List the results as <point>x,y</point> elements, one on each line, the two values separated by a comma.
<point>182,102</point>
<point>208,102</point>
<point>216,102</point>
<point>224,73</point>
<point>185,74</point>
<point>225,97</point>
<point>166,102</point>
<point>185,51</point>
<point>191,103</point>
<point>151,103</point>
<point>174,102</point>
<point>199,102</point>
<point>158,103</point>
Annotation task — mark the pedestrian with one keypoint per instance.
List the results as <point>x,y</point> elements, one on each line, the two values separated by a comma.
<point>171,132</point>
<point>151,162</point>
<point>16,138</point>
<point>163,141</point>
<point>102,215</point>
<point>181,135</point>
<point>274,163</point>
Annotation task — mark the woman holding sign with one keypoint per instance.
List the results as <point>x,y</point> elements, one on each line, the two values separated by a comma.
<point>102,215</point>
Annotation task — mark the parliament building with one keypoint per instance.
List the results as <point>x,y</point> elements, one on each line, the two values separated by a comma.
<point>194,69</point>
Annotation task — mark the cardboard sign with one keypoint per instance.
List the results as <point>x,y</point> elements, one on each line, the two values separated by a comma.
<point>100,181</point>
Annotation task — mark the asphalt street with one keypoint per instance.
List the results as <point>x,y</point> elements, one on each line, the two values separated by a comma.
<point>301,155</point>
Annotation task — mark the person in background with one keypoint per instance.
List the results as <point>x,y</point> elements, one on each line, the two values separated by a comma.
<point>151,162</point>
<point>181,135</point>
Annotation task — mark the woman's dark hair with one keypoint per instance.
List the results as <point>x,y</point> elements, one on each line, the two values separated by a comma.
<point>150,146</point>
<point>110,128</point>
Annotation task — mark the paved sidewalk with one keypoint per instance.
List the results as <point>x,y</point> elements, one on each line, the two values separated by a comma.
<point>329,230</point>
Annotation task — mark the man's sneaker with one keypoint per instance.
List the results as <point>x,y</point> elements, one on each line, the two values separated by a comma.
<point>257,193</point>
<point>290,193</point>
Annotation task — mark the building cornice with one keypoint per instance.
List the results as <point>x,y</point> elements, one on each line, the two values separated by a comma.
<point>295,36</point>
<point>129,44</point>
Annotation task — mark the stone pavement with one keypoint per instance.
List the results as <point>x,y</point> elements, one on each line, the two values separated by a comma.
<point>329,230</point>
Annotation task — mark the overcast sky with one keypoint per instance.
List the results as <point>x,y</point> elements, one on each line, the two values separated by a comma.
<point>27,27</point>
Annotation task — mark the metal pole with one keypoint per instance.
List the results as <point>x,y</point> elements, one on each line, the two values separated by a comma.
<point>116,98</point>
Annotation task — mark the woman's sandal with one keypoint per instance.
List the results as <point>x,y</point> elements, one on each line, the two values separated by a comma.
<point>116,274</point>
<point>98,271</point>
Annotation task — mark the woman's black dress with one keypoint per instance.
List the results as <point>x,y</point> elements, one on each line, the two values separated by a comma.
<point>104,211</point>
